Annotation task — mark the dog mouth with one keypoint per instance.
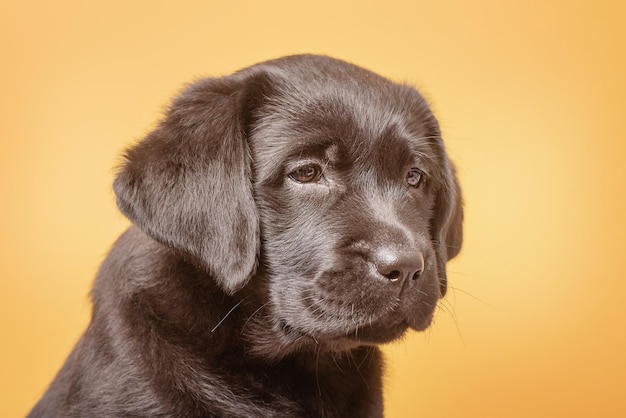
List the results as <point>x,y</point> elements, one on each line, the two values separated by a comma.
<point>342,317</point>
<point>385,331</point>
<point>286,336</point>
<point>382,331</point>
<point>376,322</point>
<point>358,336</point>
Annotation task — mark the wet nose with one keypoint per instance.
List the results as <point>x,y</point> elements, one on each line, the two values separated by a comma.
<point>399,265</point>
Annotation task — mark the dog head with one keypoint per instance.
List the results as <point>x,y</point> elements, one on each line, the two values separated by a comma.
<point>324,184</point>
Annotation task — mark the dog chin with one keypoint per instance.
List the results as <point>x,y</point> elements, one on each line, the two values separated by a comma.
<point>366,336</point>
<point>378,333</point>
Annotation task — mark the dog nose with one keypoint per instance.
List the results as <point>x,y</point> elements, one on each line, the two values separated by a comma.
<point>399,266</point>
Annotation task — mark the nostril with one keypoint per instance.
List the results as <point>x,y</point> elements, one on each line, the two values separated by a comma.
<point>419,267</point>
<point>393,275</point>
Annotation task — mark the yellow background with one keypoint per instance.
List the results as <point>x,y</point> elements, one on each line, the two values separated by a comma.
<point>531,96</point>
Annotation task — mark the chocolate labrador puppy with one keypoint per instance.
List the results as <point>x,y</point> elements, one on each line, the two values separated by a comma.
<point>287,220</point>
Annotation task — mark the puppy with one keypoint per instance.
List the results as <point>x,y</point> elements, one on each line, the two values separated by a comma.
<point>287,220</point>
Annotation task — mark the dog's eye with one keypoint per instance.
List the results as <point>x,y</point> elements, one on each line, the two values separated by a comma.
<point>307,173</point>
<point>414,177</point>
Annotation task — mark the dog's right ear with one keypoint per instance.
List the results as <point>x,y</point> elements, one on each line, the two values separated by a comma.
<point>188,183</point>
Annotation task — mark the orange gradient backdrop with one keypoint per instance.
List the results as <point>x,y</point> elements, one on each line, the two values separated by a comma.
<point>531,98</point>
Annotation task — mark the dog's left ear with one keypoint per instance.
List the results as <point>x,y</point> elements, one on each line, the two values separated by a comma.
<point>448,224</point>
<point>188,183</point>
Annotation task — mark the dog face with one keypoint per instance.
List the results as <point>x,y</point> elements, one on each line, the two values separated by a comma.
<point>315,186</point>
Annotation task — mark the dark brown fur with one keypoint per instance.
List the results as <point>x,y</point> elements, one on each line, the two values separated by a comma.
<point>245,290</point>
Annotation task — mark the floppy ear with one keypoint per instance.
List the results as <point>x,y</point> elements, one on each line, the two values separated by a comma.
<point>447,224</point>
<point>188,185</point>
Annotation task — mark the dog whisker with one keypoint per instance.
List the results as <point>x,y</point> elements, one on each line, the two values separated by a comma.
<point>457,289</point>
<point>317,376</point>
<point>227,314</point>
<point>252,315</point>
<point>448,309</point>
<point>450,246</point>
<point>334,357</point>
